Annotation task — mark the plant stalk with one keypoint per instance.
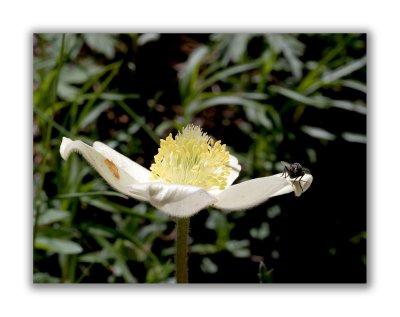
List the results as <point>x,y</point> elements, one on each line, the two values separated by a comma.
<point>181,250</point>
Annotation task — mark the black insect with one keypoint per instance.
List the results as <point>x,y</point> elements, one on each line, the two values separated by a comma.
<point>294,170</point>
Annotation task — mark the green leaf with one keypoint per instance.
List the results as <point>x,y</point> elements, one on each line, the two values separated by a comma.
<point>344,70</point>
<point>204,249</point>
<point>208,266</point>
<point>350,106</point>
<point>274,211</point>
<point>109,206</point>
<point>147,37</point>
<point>93,114</point>
<point>53,215</point>
<point>354,137</point>
<point>320,103</point>
<point>67,91</point>
<point>354,84</point>
<point>159,272</point>
<point>318,133</point>
<point>264,275</point>
<point>74,74</point>
<point>237,47</point>
<point>228,72</point>
<point>291,48</point>
<point>101,43</point>
<point>200,105</point>
<point>188,76</point>
<point>95,257</point>
<point>87,194</point>
<point>120,267</point>
<point>241,253</point>
<point>58,245</point>
<point>239,248</point>
<point>260,233</point>
<point>41,277</point>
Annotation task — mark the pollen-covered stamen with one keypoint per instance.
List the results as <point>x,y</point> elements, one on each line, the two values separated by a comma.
<point>192,158</point>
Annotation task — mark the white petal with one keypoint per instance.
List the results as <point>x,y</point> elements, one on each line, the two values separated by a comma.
<point>175,200</point>
<point>136,171</point>
<point>114,174</point>
<point>235,166</point>
<point>252,193</point>
<point>305,181</point>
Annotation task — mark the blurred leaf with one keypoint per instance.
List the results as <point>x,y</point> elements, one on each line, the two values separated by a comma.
<point>264,275</point>
<point>159,273</point>
<point>94,193</point>
<point>274,211</point>
<point>260,233</point>
<point>120,267</point>
<point>188,76</point>
<point>257,115</point>
<point>41,277</point>
<point>320,103</point>
<point>239,248</point>
<point>151,231</point>
<point>208,266</point>
<point>351,106</point>
<point>101,43</point>
<point>59,232</point>
<point>318,133</point>
<point>344,70</point>
<point>147,37</point>
<point>359,237</point>
<point>109,206</point>
<point>95,257</point>
<point>53,215</point>
<point>93,115</point>
<point>230,71</point>
<point>236,48</point>
<point>353,137</point>
<point>203,248</point>
<point>241,253</point>
<point>74,74</point>
<point>354,84</point>
<point>291,48</point>
<point>199,105</point>
<point>57,245</point>
<point>215,220</point>
<point>67,91</point>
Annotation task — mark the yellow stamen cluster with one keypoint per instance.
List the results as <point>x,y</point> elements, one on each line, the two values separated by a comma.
<point>192,158</point>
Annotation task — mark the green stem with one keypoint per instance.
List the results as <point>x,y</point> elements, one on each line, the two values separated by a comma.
<point>181,250</point>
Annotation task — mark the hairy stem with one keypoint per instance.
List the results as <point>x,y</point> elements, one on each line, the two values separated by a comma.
<point>181,250</point>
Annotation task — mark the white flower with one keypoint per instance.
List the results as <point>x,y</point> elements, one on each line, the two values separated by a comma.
<point>190,172</point>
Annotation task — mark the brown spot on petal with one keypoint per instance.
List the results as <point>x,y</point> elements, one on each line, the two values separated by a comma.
<point>112,167</point>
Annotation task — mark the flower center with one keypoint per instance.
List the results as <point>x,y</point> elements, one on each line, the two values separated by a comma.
<point>192,158</point>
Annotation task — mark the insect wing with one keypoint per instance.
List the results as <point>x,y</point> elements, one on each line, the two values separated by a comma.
<point>286,164</point>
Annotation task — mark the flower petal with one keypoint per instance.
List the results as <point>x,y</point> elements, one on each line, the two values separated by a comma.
<point>235,166</point>
<point>136,171</point>
<point>305,181</point>
<point>115,175</point>
<point>252,193</point>
<point>176,200</point>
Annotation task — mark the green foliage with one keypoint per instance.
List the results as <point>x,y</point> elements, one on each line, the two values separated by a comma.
<point>260,94</point>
